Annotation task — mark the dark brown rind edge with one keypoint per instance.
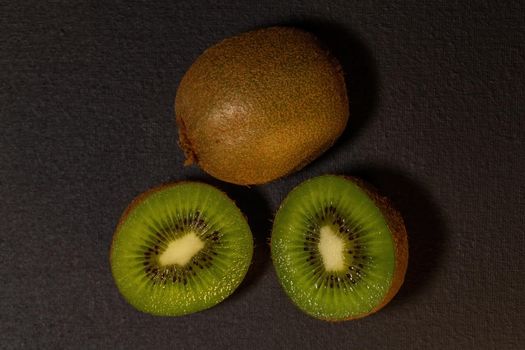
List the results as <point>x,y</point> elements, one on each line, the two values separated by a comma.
<point>396,225</point>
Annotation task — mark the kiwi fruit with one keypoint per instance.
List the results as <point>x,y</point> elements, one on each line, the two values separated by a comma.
<point>260,105</point>
<point>179,249</point>
<point>339,249</point>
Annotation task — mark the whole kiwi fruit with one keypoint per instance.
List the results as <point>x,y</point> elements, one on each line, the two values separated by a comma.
<point>261,105</point>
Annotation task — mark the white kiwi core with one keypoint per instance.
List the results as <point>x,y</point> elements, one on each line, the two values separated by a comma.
<point>332,248</point>
<point>181,250</point>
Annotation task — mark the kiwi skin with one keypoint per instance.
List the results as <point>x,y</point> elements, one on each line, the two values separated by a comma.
<point>396,225</point>
<point>261,105</point>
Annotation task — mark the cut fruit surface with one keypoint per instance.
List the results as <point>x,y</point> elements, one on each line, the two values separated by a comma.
<point>179,249</point>
<point>340,251</point>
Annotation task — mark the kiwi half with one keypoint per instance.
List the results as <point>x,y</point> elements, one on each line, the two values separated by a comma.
<point>339,249</point>
<point>179,249</point>
<point>260,105</point>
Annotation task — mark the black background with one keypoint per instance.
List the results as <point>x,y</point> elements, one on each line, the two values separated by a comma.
<point>437,124</point>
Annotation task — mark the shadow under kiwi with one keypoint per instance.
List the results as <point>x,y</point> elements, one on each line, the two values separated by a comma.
<point>259,216</point>
<point>359,66</point>
<point>424,221</point>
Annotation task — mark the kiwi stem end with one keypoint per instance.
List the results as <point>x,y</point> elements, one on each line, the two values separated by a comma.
<point>185,143</point>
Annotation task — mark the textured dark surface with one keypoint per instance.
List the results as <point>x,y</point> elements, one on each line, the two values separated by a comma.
<point>437,98</point>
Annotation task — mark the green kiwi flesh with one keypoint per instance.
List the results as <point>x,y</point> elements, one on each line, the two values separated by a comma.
<point>179,249</point>
<point>338,251</point>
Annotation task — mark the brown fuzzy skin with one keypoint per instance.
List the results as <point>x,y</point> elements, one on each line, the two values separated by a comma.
<point>260,105</point>
<point>399,234</point>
